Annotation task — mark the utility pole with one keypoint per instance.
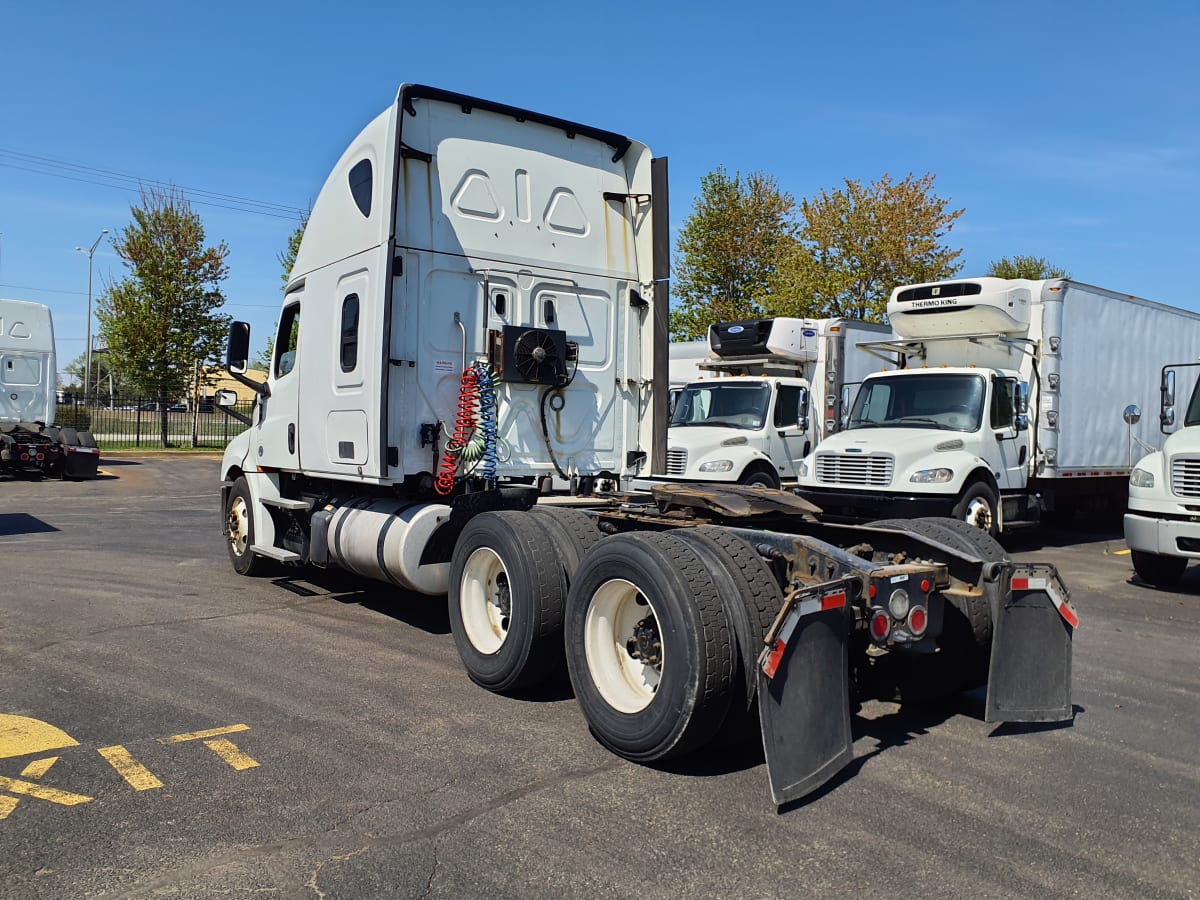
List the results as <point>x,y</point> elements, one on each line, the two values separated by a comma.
<point>87,365</point>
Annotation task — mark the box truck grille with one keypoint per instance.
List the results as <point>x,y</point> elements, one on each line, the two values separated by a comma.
<point>1185,477</point>
<point>676,461</point>
<point>874,470</point>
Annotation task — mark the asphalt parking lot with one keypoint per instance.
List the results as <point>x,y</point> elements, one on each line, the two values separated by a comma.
<point>168,728</point>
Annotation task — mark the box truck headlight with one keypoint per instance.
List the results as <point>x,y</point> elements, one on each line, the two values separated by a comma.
<point>717,465</point>
<point>1141,478</point>
<point>932,476</point>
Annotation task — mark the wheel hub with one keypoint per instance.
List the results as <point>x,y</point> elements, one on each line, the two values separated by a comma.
<point>646,645</point>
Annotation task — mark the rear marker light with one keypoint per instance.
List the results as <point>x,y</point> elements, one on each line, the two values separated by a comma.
<point>925,585</point>
<point>871,592</point>
<point>918,621</point>
<point>881,626</point>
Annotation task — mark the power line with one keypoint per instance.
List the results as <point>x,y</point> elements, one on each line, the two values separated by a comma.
<point>70,171</point>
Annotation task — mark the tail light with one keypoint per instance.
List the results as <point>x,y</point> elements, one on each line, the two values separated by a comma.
<point>881,626</point>
<point>918,621</point>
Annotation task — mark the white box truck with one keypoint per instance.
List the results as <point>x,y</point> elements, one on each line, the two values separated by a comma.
<point>29,444</point>
<point>480,301</point>
<point>1003,406</point>
<point>779,395</point>
<point>1162,525</point>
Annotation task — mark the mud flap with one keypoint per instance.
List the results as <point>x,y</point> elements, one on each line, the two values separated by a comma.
<point>804,690</point>
<point>1029,676</point>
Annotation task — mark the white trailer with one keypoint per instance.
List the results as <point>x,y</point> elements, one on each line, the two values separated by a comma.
<point>1004,405</point>
<point>771,390</point>
<point>479,303</point>
<point>1162,529</point>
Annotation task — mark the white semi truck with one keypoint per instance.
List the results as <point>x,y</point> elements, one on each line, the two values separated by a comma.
<point>1162,525</point>
<point>781,394</point>
<point>479,304</point>
<point>29,444</point>
<point>1003,404</point>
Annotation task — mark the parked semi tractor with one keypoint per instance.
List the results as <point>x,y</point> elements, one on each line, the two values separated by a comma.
<point>28,374</point>
<point>1002,405</point>
<point>780,395</point>
<point>1162,525</point>
<point>479,302</point>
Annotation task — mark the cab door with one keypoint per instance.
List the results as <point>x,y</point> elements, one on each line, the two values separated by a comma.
<point>277,442</point>
<point>789,440</point>
<point>1012,444</point>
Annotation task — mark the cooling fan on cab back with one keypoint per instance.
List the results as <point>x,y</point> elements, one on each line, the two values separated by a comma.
<point>532,355</point>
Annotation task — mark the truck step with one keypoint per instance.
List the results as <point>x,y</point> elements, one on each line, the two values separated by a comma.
<point>277,553</point>
<point>286,503</point>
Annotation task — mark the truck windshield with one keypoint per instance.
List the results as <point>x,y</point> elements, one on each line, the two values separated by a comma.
<point>947,402</point>
<point>727,405</point>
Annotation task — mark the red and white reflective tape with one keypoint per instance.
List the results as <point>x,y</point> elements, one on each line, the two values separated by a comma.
<point>771,659</point>
<point>1064,607</point>
<point>83,450</point>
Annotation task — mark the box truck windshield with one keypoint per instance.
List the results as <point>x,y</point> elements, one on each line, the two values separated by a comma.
<point>949,402</point>
<point>723,405</point>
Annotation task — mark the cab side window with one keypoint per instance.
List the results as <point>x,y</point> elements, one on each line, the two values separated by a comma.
<point>287,340</point>
<point>787,406</point>
<point>1003,402</point>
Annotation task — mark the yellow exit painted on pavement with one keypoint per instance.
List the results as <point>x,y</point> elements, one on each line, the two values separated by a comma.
<point>24,736</point>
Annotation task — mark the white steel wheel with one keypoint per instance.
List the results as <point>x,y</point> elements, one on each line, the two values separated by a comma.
<point>485,600</point>
<point>239,526</point>
<point>623,646</point>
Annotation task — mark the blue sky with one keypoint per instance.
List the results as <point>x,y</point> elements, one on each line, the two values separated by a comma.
<point>1068,130</point>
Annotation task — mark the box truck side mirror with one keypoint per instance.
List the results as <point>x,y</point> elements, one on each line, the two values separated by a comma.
<point>802,408</point>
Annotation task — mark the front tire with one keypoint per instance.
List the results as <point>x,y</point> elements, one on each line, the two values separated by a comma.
<point>759,475</point>
<point>1158,570</point>
<point>239,521</point>
<point>649,649</point>
<point>978,506</point>
<point>506,600</point>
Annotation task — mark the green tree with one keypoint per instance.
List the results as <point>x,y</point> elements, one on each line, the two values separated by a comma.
<point>856,244</point>
<point>728,250</point>
<point>287,259</point>
<point>1032,267</point>
<point>164,316</point>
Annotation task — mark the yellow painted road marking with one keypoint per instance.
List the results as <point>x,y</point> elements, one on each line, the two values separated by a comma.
<point>53,795</point>
<point>39,767</point>
<point>1120,553</point>
<point>20,735</point>
<point>231,754</point>
<point>201,735</point>
<point>7,805</point>
<point>139,777</point>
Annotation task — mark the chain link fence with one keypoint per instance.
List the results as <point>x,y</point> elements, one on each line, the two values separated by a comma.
<point>138,422</point>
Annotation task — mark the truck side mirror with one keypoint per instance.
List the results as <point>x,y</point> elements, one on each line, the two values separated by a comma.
<point>1132,414</point>
<point>802,408</point>
<point>844,418</point>
<point>1023,401</point>
<point>1166,416</point>
<point>1021,422</point>
<point>237,351</point>
<point>227,398</point>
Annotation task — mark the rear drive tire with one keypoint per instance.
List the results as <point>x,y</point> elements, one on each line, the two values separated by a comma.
<point>573,532</point>
<point>239,520</point>
<point>649,649</point>
<point>506,600</point>
<point>752,599</point>
<point>1158,570</point>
